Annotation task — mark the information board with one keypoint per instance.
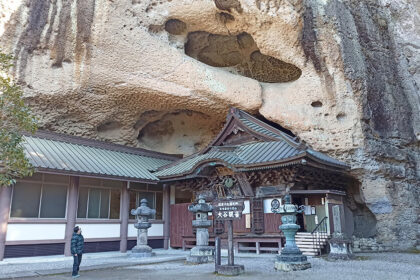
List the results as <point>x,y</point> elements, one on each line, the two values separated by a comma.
<point>228,209</point>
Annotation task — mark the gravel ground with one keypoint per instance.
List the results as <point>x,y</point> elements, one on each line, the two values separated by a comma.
<point>55,264</point>
<point>381,266</point>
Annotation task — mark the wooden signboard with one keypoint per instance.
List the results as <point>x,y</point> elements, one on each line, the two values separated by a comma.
<point>228,209</point>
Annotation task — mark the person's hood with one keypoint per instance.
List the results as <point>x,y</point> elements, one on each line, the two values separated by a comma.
<point>75,234</point>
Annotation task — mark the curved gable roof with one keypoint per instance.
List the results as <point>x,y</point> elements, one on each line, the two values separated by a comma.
<point>273,148</point>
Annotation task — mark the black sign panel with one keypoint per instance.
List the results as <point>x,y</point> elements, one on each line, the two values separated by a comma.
<point>228,209</point>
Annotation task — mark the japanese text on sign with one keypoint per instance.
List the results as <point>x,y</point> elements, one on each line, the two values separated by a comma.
<point>228,210</point>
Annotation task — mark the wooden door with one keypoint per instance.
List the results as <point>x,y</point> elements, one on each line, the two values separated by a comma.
<point>272,222</point>
<point>239,226</point>
<point>181,223</point>
<point>257,215</point>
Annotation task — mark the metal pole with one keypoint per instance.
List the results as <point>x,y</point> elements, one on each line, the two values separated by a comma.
<point>218,257</point>
<point>230,243</point>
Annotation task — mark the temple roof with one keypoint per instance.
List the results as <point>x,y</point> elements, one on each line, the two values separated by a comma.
<point>247,143</point>
<point>58,153</point>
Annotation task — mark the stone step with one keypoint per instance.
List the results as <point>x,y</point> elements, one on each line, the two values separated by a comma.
<point>312,239</point>
<point>308,246</point>
<point>315,235</point>
<point>306,250</point>
<point>310,234</point>
<point>310,254</point>
<point>309,243</point>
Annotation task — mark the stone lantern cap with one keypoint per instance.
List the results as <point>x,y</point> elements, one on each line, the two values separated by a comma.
<point>200,206</point>
<point>287,207</point>
<point>143,210</point>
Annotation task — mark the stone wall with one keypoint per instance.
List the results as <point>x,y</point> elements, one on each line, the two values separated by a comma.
<point>340,74</point>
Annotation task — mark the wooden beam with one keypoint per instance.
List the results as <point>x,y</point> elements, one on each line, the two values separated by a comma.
<point>244,184</point>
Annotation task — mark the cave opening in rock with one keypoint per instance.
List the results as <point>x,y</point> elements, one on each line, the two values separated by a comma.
<point>361,221</point>
<point>178,132</point>
<point>109,130</point>
<point>276,125</point>
<point>239,54</point>
<point>175,26</point>
<point>316,104</point>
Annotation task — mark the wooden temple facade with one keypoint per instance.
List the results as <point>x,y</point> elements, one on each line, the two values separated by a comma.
<point>94,185</point>
<point>254,161</point>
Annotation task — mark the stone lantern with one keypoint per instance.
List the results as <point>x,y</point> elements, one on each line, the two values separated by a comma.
<point>202,252</point>
<point>142,213</point>
<point>291,257</point>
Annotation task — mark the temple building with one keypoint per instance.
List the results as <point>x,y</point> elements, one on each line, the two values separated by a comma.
<point>255,162</point>
<point>81,182</point>
<point>94,184</point>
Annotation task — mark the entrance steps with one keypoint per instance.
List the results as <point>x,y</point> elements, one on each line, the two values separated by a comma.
<point>311,244</point>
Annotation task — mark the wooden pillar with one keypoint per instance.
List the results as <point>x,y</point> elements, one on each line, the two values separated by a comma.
<point>172,194</point>
<point>5,201</point>
<point>124,212</point>
<point>166,215</point>
<point>71,213</point>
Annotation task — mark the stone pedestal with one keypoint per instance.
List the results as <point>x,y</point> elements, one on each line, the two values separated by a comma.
<point>142,249</point>
<point>142,252</point>
<point>291,263</point>
<point>202,252</point>
<point>340,248</point>
<point>230,270</point>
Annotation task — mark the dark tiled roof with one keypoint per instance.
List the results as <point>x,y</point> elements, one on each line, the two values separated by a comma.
<point>240,157</point>
<point>68,154</point>
<point>275,148</point>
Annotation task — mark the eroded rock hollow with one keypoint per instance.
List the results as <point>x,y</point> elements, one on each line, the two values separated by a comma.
<point>342,75</point>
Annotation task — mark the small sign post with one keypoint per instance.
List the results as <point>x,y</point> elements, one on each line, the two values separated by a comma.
<point>228,210</point>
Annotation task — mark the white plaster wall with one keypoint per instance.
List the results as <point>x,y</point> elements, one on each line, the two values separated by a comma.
<point>154,230</point>
<point>100,230</point>
<point>267,204</point>
<point>18,232</point>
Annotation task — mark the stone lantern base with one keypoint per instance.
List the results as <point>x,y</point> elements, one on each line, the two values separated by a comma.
<point>291,266</point>
<point>230,270</point>
<point>291,262</point>
<point>201,254</point>
<point>142,251</point>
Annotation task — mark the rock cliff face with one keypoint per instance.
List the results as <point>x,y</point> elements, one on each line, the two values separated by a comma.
<point>342,75</point>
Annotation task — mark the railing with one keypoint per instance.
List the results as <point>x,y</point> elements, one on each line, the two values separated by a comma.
<point>319,234</point>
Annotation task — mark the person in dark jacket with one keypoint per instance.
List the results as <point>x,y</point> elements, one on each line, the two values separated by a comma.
<point>77,245</point>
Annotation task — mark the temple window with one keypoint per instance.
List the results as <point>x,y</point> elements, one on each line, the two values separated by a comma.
<point>42,196</point>
<point>152,193</point>
<point>99,199</point>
